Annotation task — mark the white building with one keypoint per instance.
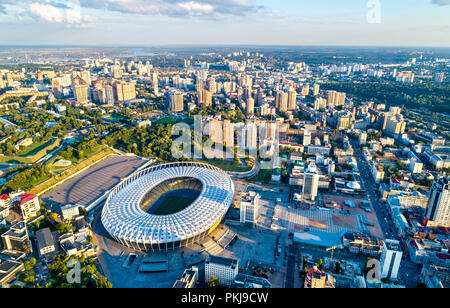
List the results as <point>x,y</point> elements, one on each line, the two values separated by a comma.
<point>46,242</point>
<point>70,211</point>
<point>362,138</point>
<point>249,206</point>
<point>310,183</point>
<point>307,138</point>
<point>224,269</point>
<point>4,205</point>
<point>377,172</point>
<point>251,134</point>
<point>29,205</point>
<point>438,208</point>
<point>415,167</point>
<point>390,259</point>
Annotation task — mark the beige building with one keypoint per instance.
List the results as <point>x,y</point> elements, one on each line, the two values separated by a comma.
<point>228,133</point>
<point>175,102</point>
<point>124,91</point>
<point>281,101</point>
<point>336,98</point>
<point>80,90</point>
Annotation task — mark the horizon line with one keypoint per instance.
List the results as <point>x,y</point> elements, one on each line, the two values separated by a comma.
<point>214,45</point>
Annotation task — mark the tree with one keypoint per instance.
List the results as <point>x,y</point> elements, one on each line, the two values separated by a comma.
<point>319,264</point>
<point>213,282</point>
<point>337,269</point>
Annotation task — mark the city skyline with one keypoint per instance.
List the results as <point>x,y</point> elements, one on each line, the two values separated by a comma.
<point>238,22</point>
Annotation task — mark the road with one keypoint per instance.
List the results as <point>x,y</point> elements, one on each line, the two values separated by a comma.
<point>409,272</point>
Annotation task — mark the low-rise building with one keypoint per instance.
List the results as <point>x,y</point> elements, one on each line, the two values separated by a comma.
<point>5,205</point>
<point>435,277</point>
<point>189,279</point>
<point>70,211</point>
<point>46,243</point>
<point>28,204</point>
<point>317,279</point>
<point>17,239</point>
<point>224,269</point>
<point>9,270</point>
<point>377,172</point>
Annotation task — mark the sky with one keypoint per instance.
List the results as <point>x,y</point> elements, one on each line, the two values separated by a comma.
<point>225,22</point>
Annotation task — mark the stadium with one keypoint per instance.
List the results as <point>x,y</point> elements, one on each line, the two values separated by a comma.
<point>167,206</point>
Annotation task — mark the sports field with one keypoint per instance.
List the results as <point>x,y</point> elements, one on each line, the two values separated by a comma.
<point>173,204</point>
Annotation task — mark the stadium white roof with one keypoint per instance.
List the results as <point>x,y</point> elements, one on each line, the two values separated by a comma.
<point>124,218</point>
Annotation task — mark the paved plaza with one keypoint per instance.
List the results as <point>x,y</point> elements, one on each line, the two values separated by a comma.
<point>89,185</point>
<point>325,220</point>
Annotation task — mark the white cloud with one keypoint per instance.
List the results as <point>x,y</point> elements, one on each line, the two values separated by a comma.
<point>64,12</point>
<point>46,12</point>
<point>175,8</point>
<point>441,2</point>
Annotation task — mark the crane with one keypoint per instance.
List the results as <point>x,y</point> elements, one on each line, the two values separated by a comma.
<point>338,246</point>
<point>345,244</point>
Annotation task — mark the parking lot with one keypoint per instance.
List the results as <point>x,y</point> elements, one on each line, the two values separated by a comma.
<point>89,185</point>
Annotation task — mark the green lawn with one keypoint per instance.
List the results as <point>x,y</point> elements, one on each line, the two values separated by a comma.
<point>33,149</point>
<point>227,165</point>
<point>263,176</point>
<point>170,120</point>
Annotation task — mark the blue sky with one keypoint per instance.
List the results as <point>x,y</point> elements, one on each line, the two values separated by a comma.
<point>265,22</point>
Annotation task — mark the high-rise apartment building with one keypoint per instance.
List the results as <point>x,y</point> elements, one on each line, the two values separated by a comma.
<point>316,89</point>
<point>362,138</point>
<point>251,132</point>
<point>310,183</point>
<point>395,124</point>
<point>250,106</point>
<point>281,101</point>
<point>109,95</point>
<point>336,98</point>
<point>391,258</point>
<point>124,91</point>
<point>155,82</point>
<point>292,99</point>
<point>206,98</point>
<point>212,85</point>
<point>228,133</point>
<point>175,101</point>
<point>438,208</point>
<point>216,131</point>
<point>81,90</point>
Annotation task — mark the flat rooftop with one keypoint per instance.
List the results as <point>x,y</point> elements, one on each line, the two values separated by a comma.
<point>89,185</point>
<point>222,261</point>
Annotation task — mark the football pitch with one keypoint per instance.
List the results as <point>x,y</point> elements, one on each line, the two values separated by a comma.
<point>172,204</point>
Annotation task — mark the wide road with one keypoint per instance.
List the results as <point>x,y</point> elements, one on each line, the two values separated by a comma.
<point>409,272</point>
<point>369,185</point>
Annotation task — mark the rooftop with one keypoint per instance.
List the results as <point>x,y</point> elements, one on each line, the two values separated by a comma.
<point>222,261</point>
<point>45,238</point>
